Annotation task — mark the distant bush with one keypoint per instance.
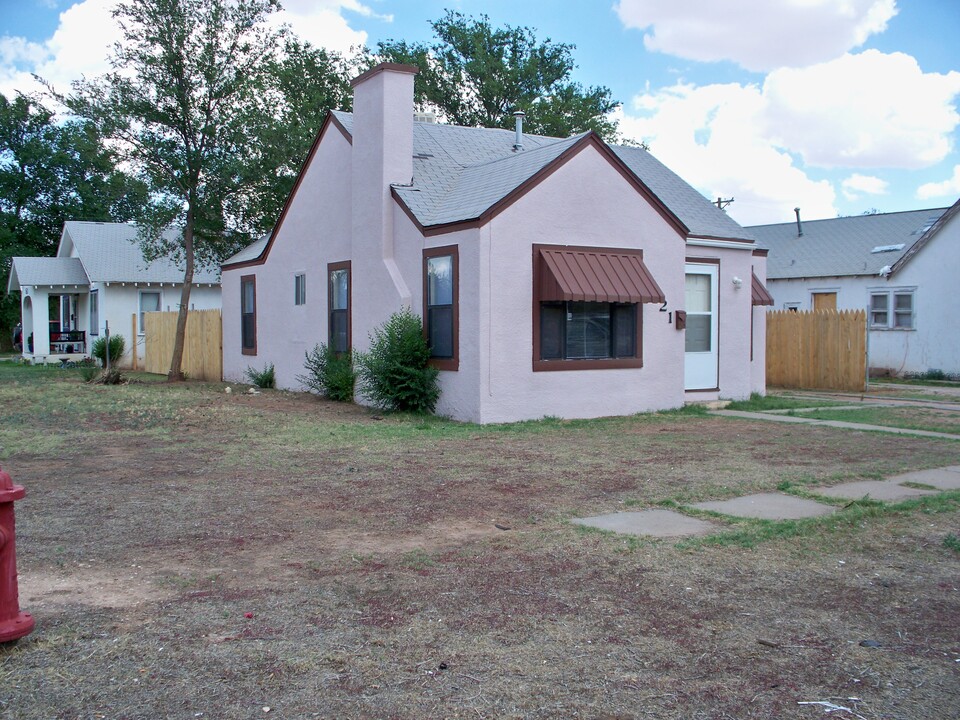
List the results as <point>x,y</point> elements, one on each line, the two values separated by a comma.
<point>88,369</point>
<point>117,347</point>
<point>393,373</point>
<point>329,373</point>
<point>265,378</point>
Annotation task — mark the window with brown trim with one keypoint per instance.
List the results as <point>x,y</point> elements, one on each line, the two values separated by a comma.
<point>441,310</point>
<point>338,302</point>
<point>588,307</point>
<point>248,314</point>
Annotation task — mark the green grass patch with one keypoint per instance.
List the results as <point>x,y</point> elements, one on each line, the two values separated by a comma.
<point>761,403</point>
<point>910,418</point>
<point>751,532</point>
<point>952,542</point>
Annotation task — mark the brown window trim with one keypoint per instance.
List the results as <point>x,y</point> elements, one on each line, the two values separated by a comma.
<point>595,364</point>
<point>453,363</point>
<point>345,265</point>
<point>251,279</point>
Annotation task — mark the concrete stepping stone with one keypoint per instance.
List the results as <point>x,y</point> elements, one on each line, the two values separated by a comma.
<point>768,506</point>
<point>875,489</point>
<point>941,478</point>
<point>655,523</point>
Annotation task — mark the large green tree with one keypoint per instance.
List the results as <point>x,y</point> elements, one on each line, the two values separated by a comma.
<point>187,104</point>
<point>52,171</point>
<point>478,75</point>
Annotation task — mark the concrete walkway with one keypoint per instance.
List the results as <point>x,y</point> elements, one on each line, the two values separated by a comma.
<point>832,423</point>
<point>774,506</point>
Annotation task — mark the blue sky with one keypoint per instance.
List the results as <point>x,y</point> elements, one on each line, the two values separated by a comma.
<point>836,107</point>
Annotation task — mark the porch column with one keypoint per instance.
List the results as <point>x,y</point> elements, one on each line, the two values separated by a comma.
<point>40,298</point>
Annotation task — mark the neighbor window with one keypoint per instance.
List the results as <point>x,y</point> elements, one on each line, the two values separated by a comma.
<point>588,307</point>
<point>339,304</point>
<point>94,312</point>
<point>440,301</point>
<point>300,289</point>
<point>248,314</point>
<point>149,302</point>
<point>891,310</point>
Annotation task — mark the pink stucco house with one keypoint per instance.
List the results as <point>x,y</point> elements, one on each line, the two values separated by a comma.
<point>562,277</point>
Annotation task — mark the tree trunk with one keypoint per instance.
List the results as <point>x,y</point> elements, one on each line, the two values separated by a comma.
<point>176,362</point>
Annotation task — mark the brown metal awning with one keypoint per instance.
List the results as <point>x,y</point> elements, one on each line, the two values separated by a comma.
<point>761,296</point>
<point>597,276</point>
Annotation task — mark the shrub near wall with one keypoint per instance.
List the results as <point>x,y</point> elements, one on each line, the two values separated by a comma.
<point>393,373</point>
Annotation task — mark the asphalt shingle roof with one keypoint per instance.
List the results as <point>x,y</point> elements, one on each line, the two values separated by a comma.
<point>460,172</point>
<point>46,271</point>
<point>838,247</point>
<point>110,252</point>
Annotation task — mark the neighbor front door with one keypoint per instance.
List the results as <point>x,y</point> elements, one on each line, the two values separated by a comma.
<point>700,362</point>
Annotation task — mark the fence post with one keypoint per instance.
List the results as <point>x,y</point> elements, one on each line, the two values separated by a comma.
<point>106,349</point>
<point>133,338</point>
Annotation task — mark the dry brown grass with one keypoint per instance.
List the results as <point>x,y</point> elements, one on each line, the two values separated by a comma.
<point>380,585</point>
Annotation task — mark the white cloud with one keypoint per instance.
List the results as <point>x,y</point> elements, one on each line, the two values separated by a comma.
<point>758,35</point>
<point>709,136</point>
<point>762,143</point>
<point>865,110</point>
<point>87,32</point>
<point>79,46</point>
<point>321,22</point>
<point>857,185</point>
<point>947,188</point>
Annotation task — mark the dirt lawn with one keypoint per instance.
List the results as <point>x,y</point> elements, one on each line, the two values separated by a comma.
<point>190,553</point>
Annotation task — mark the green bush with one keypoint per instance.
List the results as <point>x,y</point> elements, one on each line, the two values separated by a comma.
<point>265,378</point>
<point>393,373</point>
<point>328,373</point>
<point>88,369</point>
<point>117,347</point>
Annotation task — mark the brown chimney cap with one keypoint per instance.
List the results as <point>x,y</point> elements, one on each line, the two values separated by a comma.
<point>394,67</point>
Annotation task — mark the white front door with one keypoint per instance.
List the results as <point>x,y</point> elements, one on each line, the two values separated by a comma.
<point>700,364</point>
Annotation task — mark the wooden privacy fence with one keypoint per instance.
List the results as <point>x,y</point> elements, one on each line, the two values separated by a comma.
<point>821,349</point>
<point>202,355</point>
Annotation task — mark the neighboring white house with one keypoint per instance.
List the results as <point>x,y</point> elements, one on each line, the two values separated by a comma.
<point>901,267</point>
<point>98,276</point>
<point>554,276</point>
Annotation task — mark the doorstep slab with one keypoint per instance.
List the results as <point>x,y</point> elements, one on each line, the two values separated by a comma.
<point>874,489</point>
<point>941,478</point>
<point>768,506</point>
<point>655,523</point>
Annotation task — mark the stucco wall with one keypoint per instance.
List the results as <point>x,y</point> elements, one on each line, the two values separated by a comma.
<point>585,202</point>
<point>758,364</point>
<point>315,232</point>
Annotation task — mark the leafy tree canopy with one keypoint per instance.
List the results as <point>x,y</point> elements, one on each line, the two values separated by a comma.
<point>478,75</point>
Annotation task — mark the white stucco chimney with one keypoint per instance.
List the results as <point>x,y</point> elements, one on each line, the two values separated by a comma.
<point>381,155</point>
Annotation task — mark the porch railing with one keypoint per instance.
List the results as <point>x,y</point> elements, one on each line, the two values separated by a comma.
<point>68,342</point>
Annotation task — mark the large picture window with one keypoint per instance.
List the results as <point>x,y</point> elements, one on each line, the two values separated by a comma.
<point>248,314</point>
<point>588,307</point>
<point>339,303</point>
<point>440,301</point>
<point>149,302</point>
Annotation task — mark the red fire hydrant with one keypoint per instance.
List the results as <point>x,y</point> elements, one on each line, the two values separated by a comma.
<point>13,623</point>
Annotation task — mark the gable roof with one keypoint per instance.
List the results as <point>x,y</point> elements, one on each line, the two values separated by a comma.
<point>32,271</point>
<point>838,247</point>
<point>110,252</point>
<point>463,175</point>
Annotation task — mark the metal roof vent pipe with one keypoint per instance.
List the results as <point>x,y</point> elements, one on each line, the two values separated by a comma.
<point>518,142</point>
<point>799,225</point>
